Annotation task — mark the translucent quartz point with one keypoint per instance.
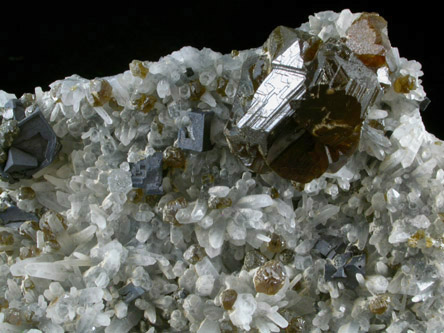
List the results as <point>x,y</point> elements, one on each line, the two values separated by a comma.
<point>305,117</point>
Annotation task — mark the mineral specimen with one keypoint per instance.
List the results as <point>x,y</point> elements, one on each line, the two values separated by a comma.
<point>276,189</point>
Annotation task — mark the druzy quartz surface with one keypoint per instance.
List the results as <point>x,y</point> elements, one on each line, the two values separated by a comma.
<point>286,188</point>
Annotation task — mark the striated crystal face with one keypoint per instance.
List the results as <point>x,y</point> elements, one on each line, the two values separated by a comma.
<point>306,116</point>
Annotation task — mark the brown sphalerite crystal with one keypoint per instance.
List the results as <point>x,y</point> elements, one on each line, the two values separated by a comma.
<point>286,256</point>
<point>404,84</point>
<point>379,304</point>
<point>101,91</point>
<point>170,209</point>
<point>367,38</point>
<point>194,254</point>
<point>228,297</point>
<point>270,277</point>
<point>306,116</point>
<point>276,244</point>
<point>25,193</point>
<point>296,325</point>
<point>144,102</point>
<point>4,304</point>
<point>219,203</point>
<point>138,69</point>
<point>174,157</point>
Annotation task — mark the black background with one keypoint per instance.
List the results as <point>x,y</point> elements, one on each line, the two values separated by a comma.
<point>41,45</point>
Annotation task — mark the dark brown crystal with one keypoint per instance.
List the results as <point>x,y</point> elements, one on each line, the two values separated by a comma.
<point>270,277</point>
<point>296,325</point>
<point>136,195</point>
<point>6,238</point>
<point>286,256</point>
<point>228,297</point>
<point>4,304</point>
<point>174,157</point>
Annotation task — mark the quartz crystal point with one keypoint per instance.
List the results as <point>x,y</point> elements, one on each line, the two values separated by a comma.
<point>305,117</point>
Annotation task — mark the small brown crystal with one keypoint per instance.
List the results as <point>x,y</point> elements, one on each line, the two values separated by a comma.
<point>228,297</point>
<point>276,244</point>
<point>4,304</point>
<point>170,209</point>
<point>136,195</point>
<point>305,117</point>
<point>144,102</point>
<point>404,84</point>
<point>415,238</point>
<point>196,90</point>
<point>270,277</point>
<point>379,304</point>
<point>219,203</point>
<point>25,193</point>
<point>296,325</point>
<point>367,38</point>
<point>174,157</point>
<point>194,254</point>
<point>138,69</point>
<point>6,238</point>
<point>101,91</point>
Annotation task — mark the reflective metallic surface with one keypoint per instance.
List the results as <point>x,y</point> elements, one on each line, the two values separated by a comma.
<point>305,116</point>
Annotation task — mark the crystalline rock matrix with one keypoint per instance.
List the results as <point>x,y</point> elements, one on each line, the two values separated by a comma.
<point>287,188</point>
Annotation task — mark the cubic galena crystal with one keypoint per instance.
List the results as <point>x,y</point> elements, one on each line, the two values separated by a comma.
<point>267,190</point>
<point>14,214</point>
<point>34,146</point>
<point>306,116</point>
<point>146,174</point>
<point>130,292</point>
<point>196,137</point>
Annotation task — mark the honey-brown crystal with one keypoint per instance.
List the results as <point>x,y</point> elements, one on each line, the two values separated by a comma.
<point>270,277</point>
<point>228,298</point>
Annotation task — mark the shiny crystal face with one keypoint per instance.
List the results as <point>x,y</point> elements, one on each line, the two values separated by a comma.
<point>305,117</point>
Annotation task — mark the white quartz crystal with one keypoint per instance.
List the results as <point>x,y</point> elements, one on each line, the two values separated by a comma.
<point>102,256</point>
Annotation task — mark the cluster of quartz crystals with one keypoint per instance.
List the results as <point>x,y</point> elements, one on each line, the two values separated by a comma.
<point>224,249</point>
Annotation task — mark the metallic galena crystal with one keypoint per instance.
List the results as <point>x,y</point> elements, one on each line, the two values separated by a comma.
<point>305,117</point>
